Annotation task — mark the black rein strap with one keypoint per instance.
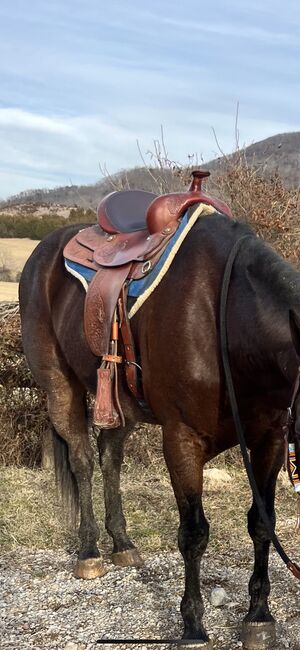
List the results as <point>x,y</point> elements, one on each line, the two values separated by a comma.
<point>294,568</point>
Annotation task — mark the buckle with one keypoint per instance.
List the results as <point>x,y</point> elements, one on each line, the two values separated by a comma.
<point>146,266</point>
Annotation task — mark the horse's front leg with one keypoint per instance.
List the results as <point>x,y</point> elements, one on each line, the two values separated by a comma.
<point>185,458</point>
<point>111,453</point>
<point>259,625</point>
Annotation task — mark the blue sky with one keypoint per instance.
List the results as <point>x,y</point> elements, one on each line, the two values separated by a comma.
<point>82,81</point>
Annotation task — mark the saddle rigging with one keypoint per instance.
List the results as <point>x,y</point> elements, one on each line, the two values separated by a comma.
<point>134,228</point>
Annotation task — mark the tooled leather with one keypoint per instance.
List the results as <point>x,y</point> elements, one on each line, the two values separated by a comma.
<point>170,207</point>
<point>77,252</point>
<point>100,303</point>
<point>92,248</point>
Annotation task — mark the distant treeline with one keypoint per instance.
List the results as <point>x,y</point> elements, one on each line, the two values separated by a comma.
<point>33,227</point>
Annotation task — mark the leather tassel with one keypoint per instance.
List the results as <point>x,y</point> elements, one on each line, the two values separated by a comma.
<point>108,412</point>
<point>105,414</point>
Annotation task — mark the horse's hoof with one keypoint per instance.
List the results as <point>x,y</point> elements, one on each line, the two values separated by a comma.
<point>131,557</point>
<point>89,569</point>
<point>258,636</point>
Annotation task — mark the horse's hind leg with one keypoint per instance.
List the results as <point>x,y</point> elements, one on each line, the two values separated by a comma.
<point>185,457</point>
<point>111,452</point>
<point>259,626</point>
<point>67,411</point>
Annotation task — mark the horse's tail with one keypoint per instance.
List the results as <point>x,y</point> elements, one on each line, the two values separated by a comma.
<point>65,479</point>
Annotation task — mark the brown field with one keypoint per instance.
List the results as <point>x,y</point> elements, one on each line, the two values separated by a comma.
<point>14,253</point>
<point>18,250</point>
<point>8,291</point>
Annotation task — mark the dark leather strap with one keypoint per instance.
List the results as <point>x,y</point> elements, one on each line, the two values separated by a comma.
<point>294,569</point>
<point>287,428</point>
<point>129,348</point>
<point>292,566</point>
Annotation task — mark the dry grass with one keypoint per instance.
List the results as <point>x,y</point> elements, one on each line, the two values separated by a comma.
<point>30,513</point>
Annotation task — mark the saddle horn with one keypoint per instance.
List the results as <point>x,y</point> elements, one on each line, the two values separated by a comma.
<point>169,208</point>
<point>198,176</point>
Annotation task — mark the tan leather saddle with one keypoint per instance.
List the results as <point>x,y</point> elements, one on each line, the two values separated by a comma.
<point>134,228</point>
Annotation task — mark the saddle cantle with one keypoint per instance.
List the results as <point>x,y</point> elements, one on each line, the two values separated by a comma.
<point>134,228</point>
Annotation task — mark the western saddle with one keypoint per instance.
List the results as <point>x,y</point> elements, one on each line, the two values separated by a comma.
<point>133,230</point>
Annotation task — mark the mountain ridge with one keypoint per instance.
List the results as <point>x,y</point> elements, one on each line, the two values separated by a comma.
<point>279,153</point>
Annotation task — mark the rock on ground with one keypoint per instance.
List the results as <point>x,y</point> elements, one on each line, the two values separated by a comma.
<point>218,597</point>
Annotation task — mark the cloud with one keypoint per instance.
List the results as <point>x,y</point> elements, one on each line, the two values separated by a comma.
<point>38,151</point>
<point>80,82</point>
<point>19,119</point>
<point>231,30</point>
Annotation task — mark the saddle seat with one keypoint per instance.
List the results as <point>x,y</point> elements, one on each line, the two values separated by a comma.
<point>124,211</point>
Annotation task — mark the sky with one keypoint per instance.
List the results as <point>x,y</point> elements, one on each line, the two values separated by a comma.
<point>82,82</point>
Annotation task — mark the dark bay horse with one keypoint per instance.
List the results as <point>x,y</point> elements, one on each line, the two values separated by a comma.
<point>176,334</point>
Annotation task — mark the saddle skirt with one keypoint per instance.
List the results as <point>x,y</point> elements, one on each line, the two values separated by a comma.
<point>94,248</point>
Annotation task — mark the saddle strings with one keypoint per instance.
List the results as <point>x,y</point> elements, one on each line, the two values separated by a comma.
<point>115,340</point>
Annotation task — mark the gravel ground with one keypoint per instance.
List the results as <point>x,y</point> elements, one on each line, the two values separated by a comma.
<point>44,606</point>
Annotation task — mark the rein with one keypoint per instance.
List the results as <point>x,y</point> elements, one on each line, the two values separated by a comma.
<point>292,566</point>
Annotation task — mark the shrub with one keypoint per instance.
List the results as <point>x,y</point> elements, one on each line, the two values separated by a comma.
<point>264,202</point>
<point>32,227</point>
<point>23,414</point>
